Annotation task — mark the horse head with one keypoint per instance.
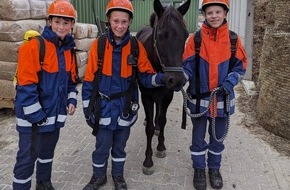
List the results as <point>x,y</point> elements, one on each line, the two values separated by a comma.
<point>168,40</point>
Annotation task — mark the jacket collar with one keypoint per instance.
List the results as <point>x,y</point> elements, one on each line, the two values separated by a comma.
<point>124,41</point>
<point>222,30</point>
<point>66,43</point>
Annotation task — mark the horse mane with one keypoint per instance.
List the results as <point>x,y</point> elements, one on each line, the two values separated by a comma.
<point>169,13</point>
<point>152,19</point>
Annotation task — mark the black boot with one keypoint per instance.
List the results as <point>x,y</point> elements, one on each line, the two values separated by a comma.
<point>96,182</point>
<point>199,180</point>
<point>120,183</point>
<point>44,185</point>
<point>215,178</point>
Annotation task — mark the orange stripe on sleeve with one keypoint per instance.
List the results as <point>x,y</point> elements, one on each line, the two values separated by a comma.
<point>28,57</point>
<point>189,48</point>
<point>144,64</point>
<point>241,53</point>
<point>92,64</point>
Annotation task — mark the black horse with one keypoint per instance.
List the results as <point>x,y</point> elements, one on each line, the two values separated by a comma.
<point>164,42</point>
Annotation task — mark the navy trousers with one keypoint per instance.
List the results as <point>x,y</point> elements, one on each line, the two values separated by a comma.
<point>106,140</point>
<point>24,167</point>
<point>200,146</point>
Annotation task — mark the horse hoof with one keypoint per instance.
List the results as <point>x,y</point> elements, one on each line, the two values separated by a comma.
<point>156,132</point>
<point>161,154</point>
<point>148,171</point>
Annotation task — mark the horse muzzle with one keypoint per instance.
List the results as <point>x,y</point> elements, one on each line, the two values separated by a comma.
<point>174,79</point>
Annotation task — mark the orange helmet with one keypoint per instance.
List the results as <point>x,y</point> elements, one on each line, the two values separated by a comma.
<point>224,3</point>
<point>123,5</point>
<point>62,8</point>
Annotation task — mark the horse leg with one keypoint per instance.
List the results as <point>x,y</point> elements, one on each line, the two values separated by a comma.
<point>161,149</point>
<point>149,129</point>
<point>156,123</point>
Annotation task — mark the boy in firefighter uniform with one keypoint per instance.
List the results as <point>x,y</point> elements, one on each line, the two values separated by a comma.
<point>211,71</point>
<point>114,126</point>
<point>46,93</point>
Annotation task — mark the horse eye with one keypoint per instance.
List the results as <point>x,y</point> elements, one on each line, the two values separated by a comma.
<point>162,35</point>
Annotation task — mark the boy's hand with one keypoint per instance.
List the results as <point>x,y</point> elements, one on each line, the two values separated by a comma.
<point>71,109</point>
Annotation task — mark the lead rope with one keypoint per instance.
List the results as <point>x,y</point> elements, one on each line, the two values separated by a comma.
<point>213,127</point>
<point>212,99</point>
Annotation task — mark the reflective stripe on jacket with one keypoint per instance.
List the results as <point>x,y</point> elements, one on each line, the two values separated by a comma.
<point>215,53</point>
<point>45,93</point>
<point>116,77</point>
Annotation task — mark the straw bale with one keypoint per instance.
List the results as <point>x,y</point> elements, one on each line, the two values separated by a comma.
<point>9,51</point>
<point>93,31</point>
<point>48,2</point>
<point>7,103</point>
<point>80,31</point>
<point>81,71</point>
<point>82,58</point>
<point>84,44</point>
<point>38,9</point>
<point>13,31</point>
<point>262,15</point>
<point>7,70</point>
<point>274,79</point>
<point>14,10</point>
<point>282,21</point>
<point>7,90</point>
<point>273,103</point>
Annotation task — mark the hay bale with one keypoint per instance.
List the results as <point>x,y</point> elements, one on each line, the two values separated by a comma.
<point>38,9</point>
<point>81,71</point>
<point>7,90</point>
<point>9,51</point>
<point>273,103</point>
<point>7,103</point>
<point>84,44</point>
<point>261,18</point>
<point>48,2</point>
<point>82,58</point>
<point>274,81</point>
<point>14,10</point>
<point>93,31</point>
<point>80,31</point>
<point>13,31</point>
<point>282,21</point>
<point>7,70</point>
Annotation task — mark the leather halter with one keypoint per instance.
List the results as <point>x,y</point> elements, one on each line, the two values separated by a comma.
<point>164,68</point>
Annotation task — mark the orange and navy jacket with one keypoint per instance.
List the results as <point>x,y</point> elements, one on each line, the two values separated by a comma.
<point>45,91</point>
<point>116,77</point>
<point>215,54</point>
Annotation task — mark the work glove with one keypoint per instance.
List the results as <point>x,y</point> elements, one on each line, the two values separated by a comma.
<point>226,88</point>
<point>223,91</point>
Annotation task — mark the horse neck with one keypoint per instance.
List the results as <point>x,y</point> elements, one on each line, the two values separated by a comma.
<point>154,60</point>
<point>145,35</point>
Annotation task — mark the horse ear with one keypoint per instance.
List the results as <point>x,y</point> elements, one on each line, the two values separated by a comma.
<point>184,7</point>
<point>158,8</point>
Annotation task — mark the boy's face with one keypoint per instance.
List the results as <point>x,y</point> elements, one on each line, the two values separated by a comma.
<point>215,15</point>
<point>119,22</point>
<point>61,26</point>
